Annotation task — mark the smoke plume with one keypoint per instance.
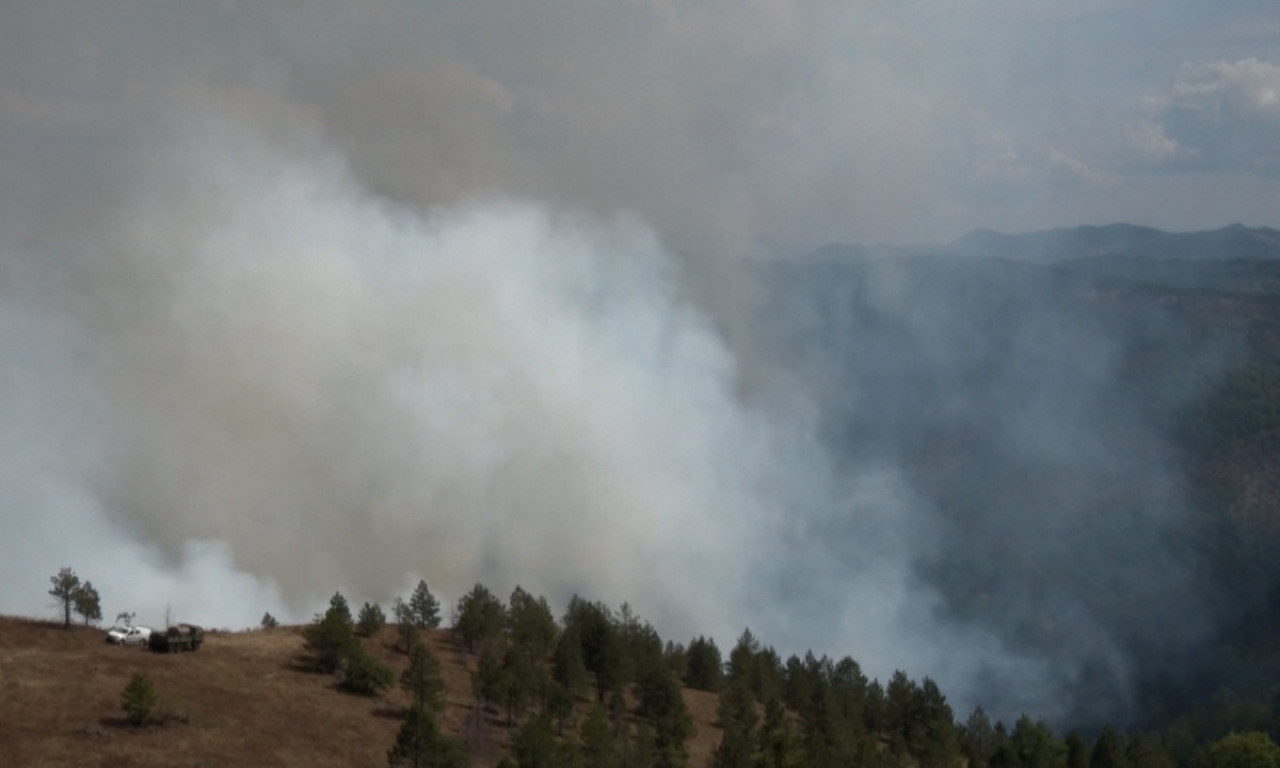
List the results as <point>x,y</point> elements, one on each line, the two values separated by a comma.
<point>295,300</point>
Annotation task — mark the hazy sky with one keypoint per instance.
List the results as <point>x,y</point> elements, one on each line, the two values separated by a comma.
<point>782,123</point>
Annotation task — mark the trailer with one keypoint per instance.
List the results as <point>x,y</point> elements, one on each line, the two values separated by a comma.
<point>178,638</point>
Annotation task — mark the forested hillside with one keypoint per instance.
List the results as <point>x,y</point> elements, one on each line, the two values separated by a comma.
<point>1091,448</point>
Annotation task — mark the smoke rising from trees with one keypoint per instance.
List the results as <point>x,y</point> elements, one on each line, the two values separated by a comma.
<point>292,301</point>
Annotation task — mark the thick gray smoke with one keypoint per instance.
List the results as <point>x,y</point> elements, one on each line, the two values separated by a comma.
<point>246,383</point>
<point>296,299</point>
<point>255,367</point>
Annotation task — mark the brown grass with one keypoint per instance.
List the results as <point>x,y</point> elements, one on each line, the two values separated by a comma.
<point>246,700</point>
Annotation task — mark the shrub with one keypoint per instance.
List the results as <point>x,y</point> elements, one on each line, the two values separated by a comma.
<point>366,675</point>
<point>139,699</point>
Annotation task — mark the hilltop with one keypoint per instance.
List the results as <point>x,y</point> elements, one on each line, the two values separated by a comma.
<point>248,699</point>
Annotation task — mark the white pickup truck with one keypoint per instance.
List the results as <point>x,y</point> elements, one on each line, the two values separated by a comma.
<point>129,635</point>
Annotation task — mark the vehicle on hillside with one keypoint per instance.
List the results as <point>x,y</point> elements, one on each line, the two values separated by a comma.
<point>180,637</point>
<point>125,635</point>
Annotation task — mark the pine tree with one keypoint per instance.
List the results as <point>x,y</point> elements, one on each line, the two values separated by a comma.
<point>531,624</point>
<point>567,667</point>
<point>86,603</point>
<point>978,740</point>
<point>598,748</point>
<point>481,618</point>
<point>738,718</point>
<point>329,639</point>
<point>65,585</point>
<point>422,679</point>
<point>936,742</point>
<point>1035,745</point>
<point>778,747</point>
<point>420,744</point>
<point>269,621</point>
<point>534,745</point>
<point>662,703</point>
<point>1077,751</point>
<point>338,605</point>
<point>1108,751</point>
<point>1146,751</point>
<point>424,608</point>
<point>371,619</point>
<point>139,699</point>
<point>704,668</point>
<point>406,626</point>
<point>364,674</point>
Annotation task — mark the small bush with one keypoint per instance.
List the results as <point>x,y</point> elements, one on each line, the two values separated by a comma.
<point>139,699</point>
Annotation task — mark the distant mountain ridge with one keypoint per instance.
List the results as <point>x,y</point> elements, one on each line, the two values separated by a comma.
<point>1067,243</point>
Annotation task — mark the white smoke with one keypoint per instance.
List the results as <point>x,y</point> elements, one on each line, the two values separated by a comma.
<point>256,384</point>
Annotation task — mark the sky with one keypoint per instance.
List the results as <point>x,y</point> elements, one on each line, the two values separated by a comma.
<point>770,124</point>
<point>297,297</point>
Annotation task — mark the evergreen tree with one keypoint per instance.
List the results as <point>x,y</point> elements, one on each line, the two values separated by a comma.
<point>1146,751</point>
<point>705,670</point>
<point>491,677</point>
<point>86,603</point>
<point>737,716</point>
<point>364,674</point>
<point>269,621</point>
<point>65,585</point>
<point>423,680</point>
<point>1077,751</point>
<point>1240,750</point>
<point>778,747</point>
<point>534,745</point>
<point>936,743</point>
<point>663,704</point>
<point>640,749</point>
<point>567,667</point>
<point>559,706</point>
<point>522,681</point>
<point>138,699</point>
<point>602,652</point>
<point>902,712</point>
<point>874,712</point>
<point>978,740</point>
<point>329,639</point>
<point>420,744</point>
<point>640,644</point>
<point>742,659</point>
<point>481,618</point>
<point>371,619</point>
<point>598,749</point>
<point>531,624</point>
<point>1034,744</point>
<point>677,659</point>
<point>424,608</point>
<point>1108,751</point>
<point>406,626</point>
<point>338,605</point>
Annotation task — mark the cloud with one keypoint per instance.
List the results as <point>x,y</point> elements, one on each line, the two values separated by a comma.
<point>1219,116</point>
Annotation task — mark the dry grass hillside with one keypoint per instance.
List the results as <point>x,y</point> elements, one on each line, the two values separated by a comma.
<point>246,700</point>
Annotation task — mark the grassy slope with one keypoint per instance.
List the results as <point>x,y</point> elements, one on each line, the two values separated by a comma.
<point>248,701</point>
